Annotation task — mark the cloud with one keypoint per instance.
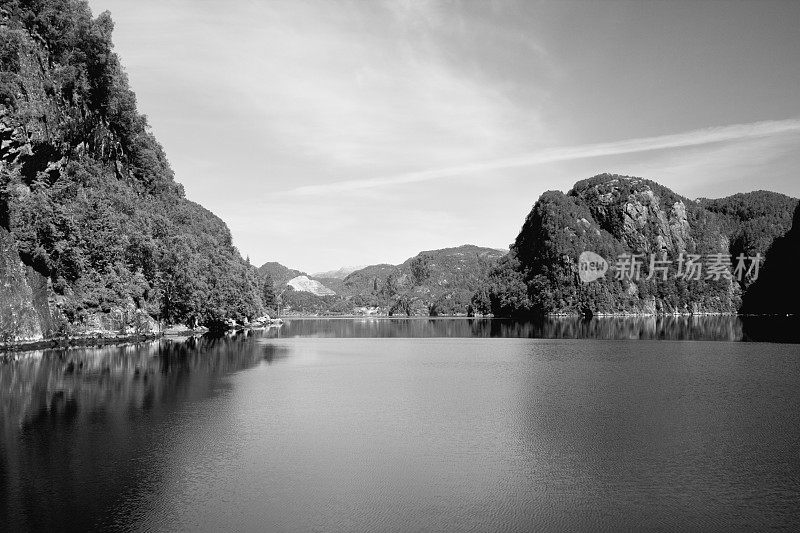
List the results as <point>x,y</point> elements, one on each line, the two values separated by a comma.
<point>736,132</point>
<point>338,96</point>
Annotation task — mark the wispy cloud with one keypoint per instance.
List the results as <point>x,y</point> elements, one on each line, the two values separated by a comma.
<point>697,137</point>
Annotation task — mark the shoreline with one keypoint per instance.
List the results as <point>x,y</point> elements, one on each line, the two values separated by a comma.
<point>8,349</point>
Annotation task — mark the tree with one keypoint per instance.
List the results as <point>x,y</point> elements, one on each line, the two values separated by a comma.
<point>420,269</point>
<point>91,200</point>
<point>481,302</point>
<point>268,297</point>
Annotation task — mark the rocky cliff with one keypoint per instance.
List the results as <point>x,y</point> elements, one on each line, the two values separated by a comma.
<point>96,233</point>
<point>25,313</point>
<point>615,217</point>
<point>304,283</point>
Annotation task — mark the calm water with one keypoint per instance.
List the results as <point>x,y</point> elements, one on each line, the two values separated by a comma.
<point>446,425</point>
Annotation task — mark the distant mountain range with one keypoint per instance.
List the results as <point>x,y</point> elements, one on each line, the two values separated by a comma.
<point>612,216</point>
<point>432,282</point>
<point>340,273</point>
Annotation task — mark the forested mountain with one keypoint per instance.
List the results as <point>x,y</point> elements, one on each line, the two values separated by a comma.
<point>279,277</point>
<point>88,201</point>
<point>278,274</point>
<point>777,289</point>
<point>367,279</point>
<point>609,215</point>
<point>334,284</point>
<point>96,234</point>
<point>433,282</point>
<point>612,215</point>
<point>753,220</point>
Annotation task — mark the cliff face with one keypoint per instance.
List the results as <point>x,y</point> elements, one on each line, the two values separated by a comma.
<point>95,228</point>
<point>25,313</point>
<point>30,309</point>
<point>647,217</point>
<point>612,215</point>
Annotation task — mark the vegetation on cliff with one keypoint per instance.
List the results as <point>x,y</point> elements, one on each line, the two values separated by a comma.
<point>615,216</point>
<point>87,192</point>
<point>434,282</point>
<point>777,289</point>
<point>753,220</point>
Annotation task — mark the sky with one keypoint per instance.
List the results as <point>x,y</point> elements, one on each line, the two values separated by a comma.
<point>331,133</point>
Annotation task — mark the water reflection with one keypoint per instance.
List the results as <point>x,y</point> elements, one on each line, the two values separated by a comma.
<point>75,422</point>
<point>717,328</point>
<point>89,435</point>
<point>364,435</point>
<point>771,329</point>
<point>681,328</point>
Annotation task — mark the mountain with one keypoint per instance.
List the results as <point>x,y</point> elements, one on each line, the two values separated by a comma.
<point>753,220</point>
<point>615,217</point>
<point>95,233</point>
<point>304,283</point>
<point>334,284</point>
<point>368,279</point>
<point>431,283</point>
<point>282,276</point>
<point>340,273</point>
<point>279,274</point>
<point>777,289</point>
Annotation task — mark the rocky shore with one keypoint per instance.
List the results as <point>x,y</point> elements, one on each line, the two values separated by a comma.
<point>9,349</point>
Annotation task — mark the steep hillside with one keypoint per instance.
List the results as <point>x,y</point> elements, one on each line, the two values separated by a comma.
<point>334,284</point>
<point>279,274</point>
<point>434,282</point>
<point>611,215</point>
<point>369,279</point>
<point>87,198</point>
<point>431,283</point>
<point>777,289</point>
<point>753,220</point>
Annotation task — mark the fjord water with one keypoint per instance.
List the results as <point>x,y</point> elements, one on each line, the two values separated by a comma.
<point>446,425</point>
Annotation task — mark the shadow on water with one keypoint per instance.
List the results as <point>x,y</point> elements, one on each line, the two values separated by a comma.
<point>771,329</point>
